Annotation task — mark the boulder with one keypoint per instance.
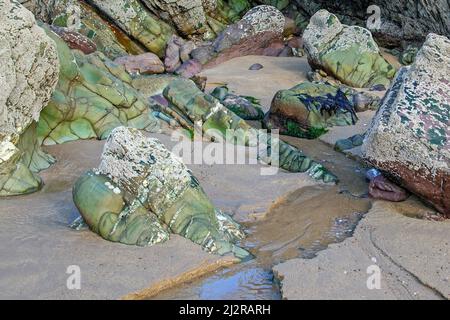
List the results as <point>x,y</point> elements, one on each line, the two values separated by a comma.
<point>93,96</point>
<point>409,137</point>
<point>256,31</point>
<point>307,109</point>
<point>146,63</point>
<point>28,74</point>
<point>348,53</point>
<point>141,192</point>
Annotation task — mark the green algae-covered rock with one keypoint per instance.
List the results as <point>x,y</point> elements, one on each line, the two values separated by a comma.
<point>410,135</point>
<point>247,108</point>
<point>28,74</point>
<point>348,53</point>
<point>308,109</point>
<point>192,106</point>
<point>93,96</point>
<point>133,17</point>
<point>141,193</point>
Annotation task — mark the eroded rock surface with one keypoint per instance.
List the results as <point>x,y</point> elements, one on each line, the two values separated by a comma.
<point>141,193</point>
<point>28,74</point>
<point>93,96</point>
<point>410,136</point>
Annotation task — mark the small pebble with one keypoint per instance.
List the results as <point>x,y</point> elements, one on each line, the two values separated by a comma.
<point>256,66</point>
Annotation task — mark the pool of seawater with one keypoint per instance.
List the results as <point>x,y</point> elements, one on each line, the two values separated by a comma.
<point>301,224</point>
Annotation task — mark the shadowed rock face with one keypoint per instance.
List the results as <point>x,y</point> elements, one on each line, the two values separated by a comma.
<point>409,137</point>
<point>141,193</point>
<point>28,74</point>
<point>348,53</point>
<point>402,20</point>
<point>93,96</point>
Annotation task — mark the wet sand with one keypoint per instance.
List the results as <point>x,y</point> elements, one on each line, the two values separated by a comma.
<point>411,254</point>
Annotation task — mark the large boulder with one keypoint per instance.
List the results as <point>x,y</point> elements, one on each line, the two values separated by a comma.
<point>252,35</point>
<point>141,192</point>
<point>308,109</point>
<point>28,74</point>
<point>410,137</point>
<point>348,53</point>
<point>93,96</point>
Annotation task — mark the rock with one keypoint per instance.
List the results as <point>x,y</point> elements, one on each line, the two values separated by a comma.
<point>141,193</point>
<point>75,40</point>
<point>93,96</point>
<point>28,74</point>
<point>146,63</point>
<point>382,189</point>
<point>307,109</point>
<point>409,136</point>
<point>363,101</point>
<point>194,106</point>
<point>185,51</point>
<point>408,56</point>
<point>189,69</point>
<point>172,60</point>
<point>256,31</point>
<point>138,23</point>
<point>348,53</point>
<point>79,17</point>
<point>256,66</point>
<point>188,16</point>
<point>378,87</point>
<point>247,108</point>
<point>350,143</point>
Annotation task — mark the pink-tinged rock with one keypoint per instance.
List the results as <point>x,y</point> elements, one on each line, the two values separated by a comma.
<point>261,28</point>
<point>75,40</point>
<point>172,60</point>
<point>382,189</point>
<point>146,63</point>
<point>274,49</point>
<point>189,69</point>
